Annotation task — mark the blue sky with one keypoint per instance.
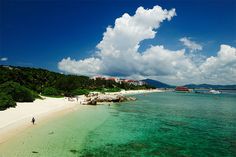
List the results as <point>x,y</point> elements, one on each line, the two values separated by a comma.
<point>41,33</point>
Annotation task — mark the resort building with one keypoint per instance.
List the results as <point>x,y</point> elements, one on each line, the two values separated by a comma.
<point>119,80</point>
<point>182,89</point>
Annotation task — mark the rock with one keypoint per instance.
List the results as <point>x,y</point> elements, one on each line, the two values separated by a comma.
<point>92,102</point>
<point>94,98</point>
<point>131,98</point>
<point>88,99</point>
<point>122,99</point>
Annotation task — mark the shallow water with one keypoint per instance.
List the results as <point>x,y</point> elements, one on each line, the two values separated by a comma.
<point>157,124</point>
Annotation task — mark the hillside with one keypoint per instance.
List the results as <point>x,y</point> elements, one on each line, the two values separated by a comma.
<point>157,84</point>
<point>38,79</point>
<point>23,84</point>
<point>209,86</point>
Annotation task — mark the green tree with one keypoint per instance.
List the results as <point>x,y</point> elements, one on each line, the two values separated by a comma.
<point>19,93</point>
<point>38,79</point>
<point>6,101</point>
<point>50,91</point>
<point>80,91</point>
<point>113,89</point>
<point>67,83</point>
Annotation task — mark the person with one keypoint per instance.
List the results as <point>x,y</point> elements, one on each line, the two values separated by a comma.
<point>33,120</point>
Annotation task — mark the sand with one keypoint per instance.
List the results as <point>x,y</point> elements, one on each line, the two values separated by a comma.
<point>132,92</point>
<point>15,120</point>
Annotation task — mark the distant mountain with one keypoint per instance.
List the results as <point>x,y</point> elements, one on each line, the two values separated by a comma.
<point>208,86</point>
<point>157,84</point>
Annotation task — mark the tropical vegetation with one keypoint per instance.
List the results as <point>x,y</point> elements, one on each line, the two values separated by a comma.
<point>24,84</point>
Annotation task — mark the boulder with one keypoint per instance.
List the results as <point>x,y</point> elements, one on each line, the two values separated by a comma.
<point>92,102</point>
<point>131,98</point>
<point>94,98</point>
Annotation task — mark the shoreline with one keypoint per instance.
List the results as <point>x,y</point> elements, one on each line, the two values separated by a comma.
<point>134,92</point>
<point>15,120</point>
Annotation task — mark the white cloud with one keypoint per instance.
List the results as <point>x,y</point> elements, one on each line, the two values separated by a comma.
<point>118,54</point>
<point>118,49</point>
<point>89,66</point>
<point>221,68</point>
<point>3,59</point>
<point>191,45</point>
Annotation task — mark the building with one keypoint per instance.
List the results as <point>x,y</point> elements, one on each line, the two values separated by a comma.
<point>182,89</point>
<point>118,80</point>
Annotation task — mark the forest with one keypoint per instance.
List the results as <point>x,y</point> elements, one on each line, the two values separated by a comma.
<point>24,84</point>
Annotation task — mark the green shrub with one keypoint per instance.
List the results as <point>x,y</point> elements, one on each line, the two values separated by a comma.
<point>6,101</point>
<point>36,95</point>
<point>50,91</point>
<point>69,94</point>
<point>112,90</point>
<point>19,93</point>
<point>67,83</point>
<point>80,92</point>
<point>103,90</point>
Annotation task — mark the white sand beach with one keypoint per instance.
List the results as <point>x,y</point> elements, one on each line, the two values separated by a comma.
<point>15,120</point>
<point>124,92</point>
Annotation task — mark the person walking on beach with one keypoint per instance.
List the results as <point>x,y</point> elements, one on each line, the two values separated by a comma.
<point>33,120</point>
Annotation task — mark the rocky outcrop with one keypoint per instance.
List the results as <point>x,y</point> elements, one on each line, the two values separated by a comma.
<point>131,98</point>
<point>92,102</point>
<point>93,99</point>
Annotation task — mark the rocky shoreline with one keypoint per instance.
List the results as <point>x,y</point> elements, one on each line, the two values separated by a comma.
<point>95,98</point>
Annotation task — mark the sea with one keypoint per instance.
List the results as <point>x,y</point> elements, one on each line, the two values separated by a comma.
<point>164,124</point>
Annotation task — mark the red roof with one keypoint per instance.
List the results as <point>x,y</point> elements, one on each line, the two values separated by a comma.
<point>181,88</point>
<point>111,78</point>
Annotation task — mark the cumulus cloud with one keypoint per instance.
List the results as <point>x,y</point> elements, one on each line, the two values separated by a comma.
<point>89,66</point>
<point>118,49</point>
<point>3,59</point>
<point>220,68</point>
<point>191,45</point>
<point>118,54</point>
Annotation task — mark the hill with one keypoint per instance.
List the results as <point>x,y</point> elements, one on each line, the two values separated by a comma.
<point>24,84</point>
<point>157,84</point>
<point>39,79</point>
<point>209,86</point>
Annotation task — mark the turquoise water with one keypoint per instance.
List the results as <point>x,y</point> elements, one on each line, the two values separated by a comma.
<point>157,124</point>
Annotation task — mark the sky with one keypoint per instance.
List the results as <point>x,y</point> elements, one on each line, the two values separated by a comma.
<point>175,41</point>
